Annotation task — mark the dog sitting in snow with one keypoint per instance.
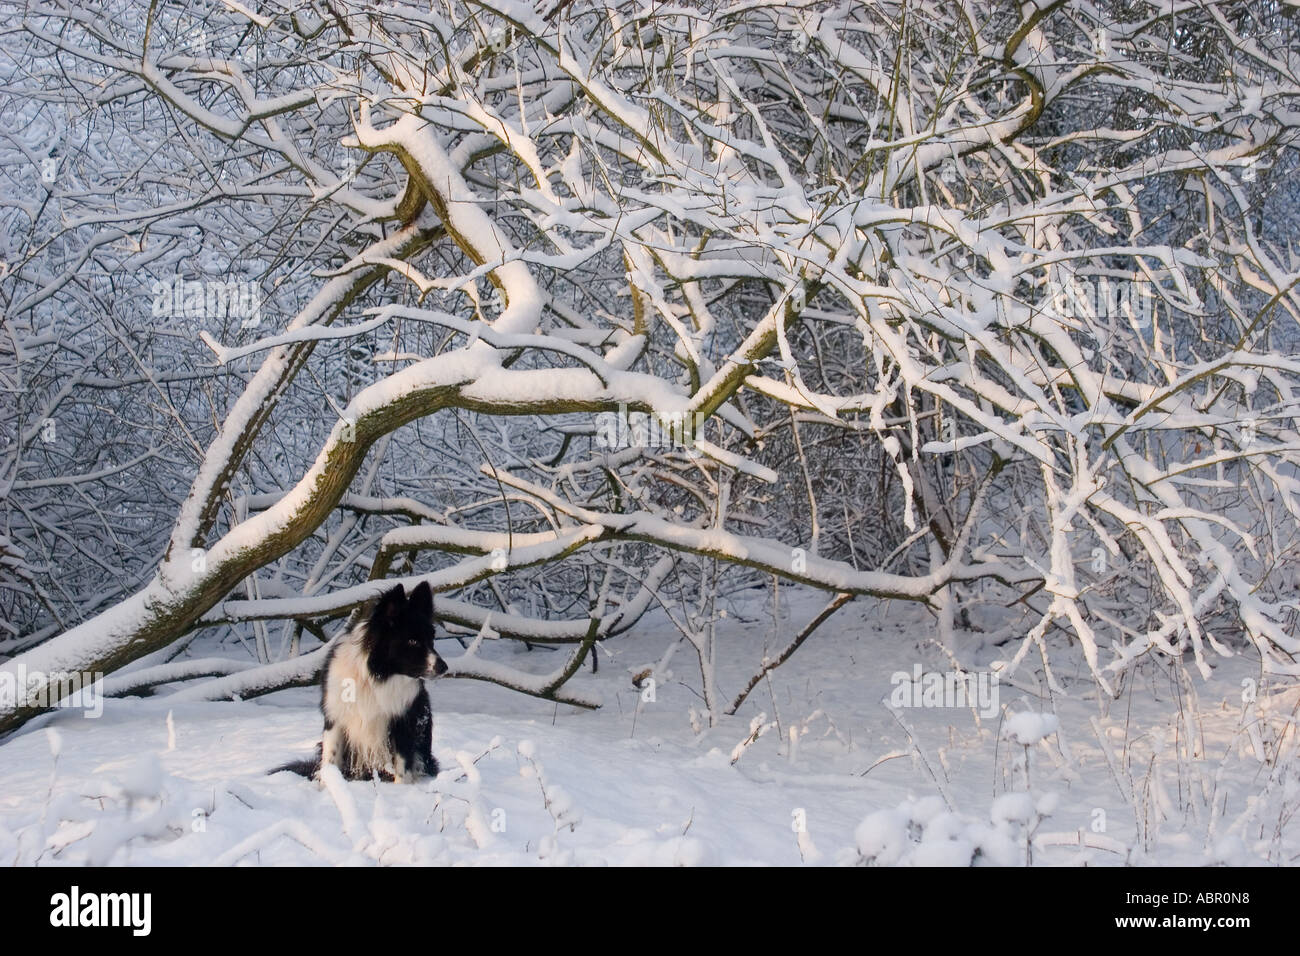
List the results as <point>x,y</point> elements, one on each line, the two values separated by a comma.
<point>378,720</point>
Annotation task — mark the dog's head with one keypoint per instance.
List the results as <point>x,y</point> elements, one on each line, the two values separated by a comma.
<point>399,635</point>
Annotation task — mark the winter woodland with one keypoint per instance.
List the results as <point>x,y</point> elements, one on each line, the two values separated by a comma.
<point>703,358</point>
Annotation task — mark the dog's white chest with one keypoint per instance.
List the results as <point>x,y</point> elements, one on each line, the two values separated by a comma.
<point>362,707</point>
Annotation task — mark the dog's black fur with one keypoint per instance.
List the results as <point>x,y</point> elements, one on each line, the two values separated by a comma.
<point>385,659</point>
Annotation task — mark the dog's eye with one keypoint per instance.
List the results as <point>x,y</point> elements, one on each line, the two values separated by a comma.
<point>413,641</point>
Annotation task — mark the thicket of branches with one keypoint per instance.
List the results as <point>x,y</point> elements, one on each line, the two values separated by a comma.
<point>959,303</point>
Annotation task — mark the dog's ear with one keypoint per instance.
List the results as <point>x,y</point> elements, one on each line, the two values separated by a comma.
<point>422,600</point>
<point>390,605</point>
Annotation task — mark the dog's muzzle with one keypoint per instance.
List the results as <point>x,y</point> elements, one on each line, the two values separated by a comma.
<point>436,668</point>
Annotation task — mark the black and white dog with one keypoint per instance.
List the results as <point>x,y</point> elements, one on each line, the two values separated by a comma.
<point>378,720</point>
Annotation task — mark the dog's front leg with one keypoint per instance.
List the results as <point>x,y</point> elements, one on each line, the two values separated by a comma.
<point>332,747</point>
<point>401,772</point>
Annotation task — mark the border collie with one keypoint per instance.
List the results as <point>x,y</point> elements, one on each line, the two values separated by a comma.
<point>378,720</point>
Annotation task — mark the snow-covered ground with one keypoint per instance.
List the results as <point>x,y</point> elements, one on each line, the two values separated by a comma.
<point>1166,774</point>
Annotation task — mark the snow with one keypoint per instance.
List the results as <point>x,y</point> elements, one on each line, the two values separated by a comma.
<point>882,837</point>
<point>1029,728</point>
<point>527,782</point>
<point>1015,807</point>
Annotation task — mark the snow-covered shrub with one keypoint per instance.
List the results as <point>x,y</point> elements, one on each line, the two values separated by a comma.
<point>924,832</point>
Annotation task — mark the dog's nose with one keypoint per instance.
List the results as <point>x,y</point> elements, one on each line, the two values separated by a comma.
<point>439,668</point>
